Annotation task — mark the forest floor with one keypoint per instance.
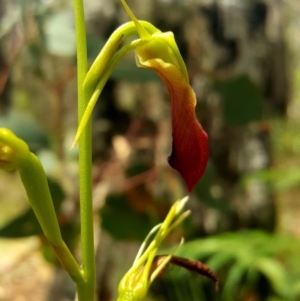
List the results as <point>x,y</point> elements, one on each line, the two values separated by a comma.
<point>24,273</point>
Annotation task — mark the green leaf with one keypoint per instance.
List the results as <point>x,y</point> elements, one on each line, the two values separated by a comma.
<point>219,260</point>
<point>60,34</point>
<point>26,129</point>
<point>10,16</point>
<point>251,277</point>
<point>127,70</point>
<point>234,278</point>
<point>242,100</point>
<point>286,178</point>
<point>241,259</point>
<point>94,45</point>
<point>57,193</point>
<point>70,233</point>
<point>137,168</point>
<point>275,273</point>
<point>280,179</point>
<point>26,224</point>
<point>204,190</point>
<point>122,221</point>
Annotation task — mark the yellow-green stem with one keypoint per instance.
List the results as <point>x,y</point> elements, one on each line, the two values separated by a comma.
<point>85,292</point>
<point>15,154</point>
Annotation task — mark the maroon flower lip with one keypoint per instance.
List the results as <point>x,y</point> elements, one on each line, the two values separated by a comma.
<point>190,147</point>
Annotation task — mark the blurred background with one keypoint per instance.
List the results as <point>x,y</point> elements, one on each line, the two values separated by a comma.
<point>243,58</point>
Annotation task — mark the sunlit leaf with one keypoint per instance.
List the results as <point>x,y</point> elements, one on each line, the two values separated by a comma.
<point>122,221</point>
<point>275,273</point>
<point>60,34</point>
<point>233,279</point>
<point>242,100</point>
<point>204,190</point>
<point>219,260</point>
<point>25,128</point>
<point>26,224</point>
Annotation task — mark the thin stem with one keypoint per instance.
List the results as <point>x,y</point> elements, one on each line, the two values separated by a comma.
<point>86,292</point>
<point>68,262</point>
<point>15,154</point>
<point>104,64</point>
<point>98,89</point>
<point>81,53</point>
<point>117,37</point>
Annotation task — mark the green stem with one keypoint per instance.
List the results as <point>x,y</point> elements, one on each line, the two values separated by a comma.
<point>98,89</point>
<point>117,37</point>
<point>104,64</point>
<point>35,182</point>
<point>68,262</point>
<point>15,154</point>
<point>85,292</point>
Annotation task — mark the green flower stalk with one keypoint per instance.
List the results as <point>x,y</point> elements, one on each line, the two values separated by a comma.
<point>15,154</point>
<point>157,51</point>
<point>136,282</point>
<point>148,265</point>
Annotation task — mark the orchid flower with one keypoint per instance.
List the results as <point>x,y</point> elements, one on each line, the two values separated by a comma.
<point>136,282</point>
<point>148,265</point>
<point>157,51</point>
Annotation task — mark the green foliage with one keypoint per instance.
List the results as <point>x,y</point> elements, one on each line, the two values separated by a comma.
<point>279,178</point>
<point>242,100</point>
<point>204,187</point>
<point>248,263</point>
<point>126,70</point>
<point>59,34</point>
<point>25,128</point>
<point>27,224</point>
<point>24,225</point>
<point>122,221</point>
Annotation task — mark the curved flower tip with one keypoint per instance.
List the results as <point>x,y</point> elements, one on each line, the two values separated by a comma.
<point>190,142</point>
<point>160,53</point>
<point>12,150</point>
